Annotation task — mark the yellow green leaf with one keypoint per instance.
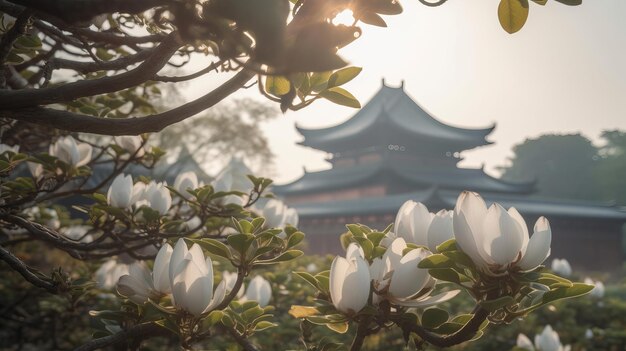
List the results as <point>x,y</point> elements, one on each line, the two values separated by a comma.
<point>513,14</point>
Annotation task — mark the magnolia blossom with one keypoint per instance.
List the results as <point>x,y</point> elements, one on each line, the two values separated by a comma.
<point>231,278</point>
<point>598,290</point>
<point>234,177</point>
<point>398,279</point>
<point>157,197</point>
<point>191,279</point>
<point>277,214</point>
<point>131,143</point>
<point>258,290</point>
<point>69,151</point>
<point>161,270</point>
<point>496,239</point>
<point>137,285</point>
<point>109,273</point>
<point>184,181</point>
<point>349,281</point>
<point>7,148</point>
<point>416,225</point>
<point>548,340</point>
<point>561,267</point>
<point>36,170</point>
<point>121,191</point>
<point>588,334</point>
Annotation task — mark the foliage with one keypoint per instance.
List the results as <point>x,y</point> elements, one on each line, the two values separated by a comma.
<point>571,166</point>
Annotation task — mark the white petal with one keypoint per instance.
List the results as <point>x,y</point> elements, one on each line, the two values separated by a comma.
<point>503,236</point>
<point>177,258</point>
<point>440,229</point>
<point>338,270</point>
<point>407,278</point>
<point>218,297</point>
<point>467,220</point>
<point>160,270</point>
<point>538,246</point>
<point>524,342</point>
<point>429,301</point>
<point>522,223</point>
<point>354,250</point>
<point>402,224</point>
<point>356,286</point>
<point>420,221</point>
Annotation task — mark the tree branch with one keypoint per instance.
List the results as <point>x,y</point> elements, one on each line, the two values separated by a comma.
<point>71,91</point>
<point>23,270</point>
<point>464,334</point>
<point>9,38</point>
<point>129,126</point>
<point>241,340</point>
<point>82,10</point>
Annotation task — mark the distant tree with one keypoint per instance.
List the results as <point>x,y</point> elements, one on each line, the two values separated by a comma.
<point>611,173</point>
<point>562,165</point>
<point>221,133</point>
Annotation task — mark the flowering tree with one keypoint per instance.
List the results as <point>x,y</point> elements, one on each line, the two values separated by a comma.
<point>182,260</point>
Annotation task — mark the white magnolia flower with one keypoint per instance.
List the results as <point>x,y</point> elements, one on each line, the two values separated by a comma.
<point>548,340</point>
<point>524,342</point>
<point>158,197</point>
<point>184,181</point>
<point>36,170</point>
<point>588,334</point>
<point>258,290</point>
<point>161,270</point>
<point>349,281</point>
<point>416,225</point>
<point>311,267</point>
<point>497,239</point>
<point>191,277</point>
<point>109,273</point>
<point>120,192</point>
<point>598,290</point>
<point>278,215</point>
<point>398,279</point>
<point>234,177</point>
<point>69,151</point>
<point>561,267</point>
<point>130,143</point>
<point>7,148</point>
<point>137,285</point>
<point>231,278</point>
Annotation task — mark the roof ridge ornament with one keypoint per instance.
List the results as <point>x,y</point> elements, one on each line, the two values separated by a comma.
<point>383,81</point>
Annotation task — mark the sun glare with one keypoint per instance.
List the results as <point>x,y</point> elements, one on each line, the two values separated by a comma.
<point>344,17</point>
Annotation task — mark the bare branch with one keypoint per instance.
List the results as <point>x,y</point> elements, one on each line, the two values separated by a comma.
<point>23,270</point>
<point>129,126</point>
<point>71,91</point>
<point>211,67</point>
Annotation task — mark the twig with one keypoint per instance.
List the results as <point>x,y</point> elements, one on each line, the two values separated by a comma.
<point>23,270</point>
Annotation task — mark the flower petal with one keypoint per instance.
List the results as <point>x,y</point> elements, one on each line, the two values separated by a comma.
<point>538,246</point>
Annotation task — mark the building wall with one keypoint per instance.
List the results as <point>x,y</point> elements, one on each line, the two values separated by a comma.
<point>589,245</point>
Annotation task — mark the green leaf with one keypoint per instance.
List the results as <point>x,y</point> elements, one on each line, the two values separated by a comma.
<point>340,96</point>
<point>496,304</point>
<point>298,311</point>
<point>343,76</point>
<point>371,18</point>
<point>513,14</point>
<point>277,85</point>
<point>445,274</point>
<point>309,278</point>
<point>28,42</point>
<point>540,2</point>
<point>319,81</point>
<point>285,256</point>
<point>448,245</point>
<point>214,317</point>
<point>240,242</point>
<point>295,239</point>
<point>434,317</point>
<point>262,325</point>
<point>340,328</point>
<point>215,247</point>
<point>436,261</point>
<point>577,289</point>
<point>460,258</point>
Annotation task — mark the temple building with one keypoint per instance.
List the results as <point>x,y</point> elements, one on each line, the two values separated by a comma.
<point>392,151</point>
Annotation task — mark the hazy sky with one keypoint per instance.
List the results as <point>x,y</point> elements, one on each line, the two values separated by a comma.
<point>564,72</point>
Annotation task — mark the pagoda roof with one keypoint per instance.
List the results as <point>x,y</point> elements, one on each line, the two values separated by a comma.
<point>373,172</point>
<point>436,198</point>
<point>393,108</point>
